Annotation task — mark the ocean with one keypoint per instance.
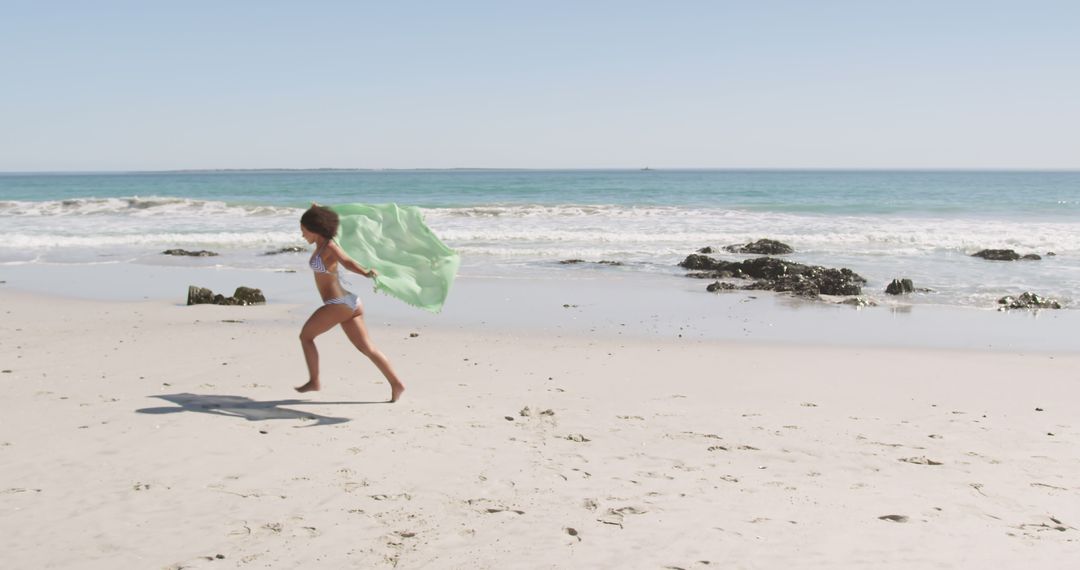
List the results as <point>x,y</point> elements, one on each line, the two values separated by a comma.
<point>521,224</point>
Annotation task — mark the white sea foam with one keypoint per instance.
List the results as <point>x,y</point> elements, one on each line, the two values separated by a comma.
<point>224,239</point>
<point>933,250</point>
<point>138,206</point>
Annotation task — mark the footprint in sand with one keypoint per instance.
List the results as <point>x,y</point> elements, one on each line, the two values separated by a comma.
<point>488,506</point>
<point>1054,524</point>
<point>920,461</point>
<point>1049,486</point>
<point>384,497</point>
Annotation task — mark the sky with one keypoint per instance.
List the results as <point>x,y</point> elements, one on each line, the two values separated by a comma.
<point>585,84</point>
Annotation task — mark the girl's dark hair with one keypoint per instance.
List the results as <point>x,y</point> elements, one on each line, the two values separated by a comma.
<point>320,220</point>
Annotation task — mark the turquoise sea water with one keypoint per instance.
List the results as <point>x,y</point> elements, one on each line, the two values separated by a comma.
<point>922,225</point>
<point>1039,195</point>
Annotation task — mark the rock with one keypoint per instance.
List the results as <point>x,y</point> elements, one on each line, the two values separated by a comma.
<point>1032,257</point>
<point>199,295</point>
<point>571,261</point>
<point>612,263</point>
<point>242,296</point>
<point>761,247</point>
<point>900,286</point>
<point>858,302</point>
<point>290,249</point>
<point>1027,300</point>
<point>720,286</point>
<point>705,249</point>
<point>249,296</point>
<point>702,262</point>
<point>1050,254</point>
<point>200,253</point>
<point>997,254</point>
<point>894,518</point>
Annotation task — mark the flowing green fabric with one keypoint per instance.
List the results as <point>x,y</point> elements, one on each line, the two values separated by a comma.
<point>412,263</point>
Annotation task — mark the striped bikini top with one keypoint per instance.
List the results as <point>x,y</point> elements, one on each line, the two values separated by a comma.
<point>316,262</point>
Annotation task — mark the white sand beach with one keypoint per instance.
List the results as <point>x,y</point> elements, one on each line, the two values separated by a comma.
<point>151,435</point>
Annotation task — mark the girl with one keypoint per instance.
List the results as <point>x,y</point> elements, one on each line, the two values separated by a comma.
<point>319,225</point>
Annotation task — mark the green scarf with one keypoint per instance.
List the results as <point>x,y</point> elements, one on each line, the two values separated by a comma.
<point>412,263</point>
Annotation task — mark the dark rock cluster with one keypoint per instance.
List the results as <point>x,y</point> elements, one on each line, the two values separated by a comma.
<point>1027,300</point>
<point>812,281</point>
<point>1004,255</point>
<point>200,253</point>
<point>771,274</point>
<point>242,296</point>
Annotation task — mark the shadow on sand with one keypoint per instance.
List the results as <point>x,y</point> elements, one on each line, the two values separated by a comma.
<point>243,407</point>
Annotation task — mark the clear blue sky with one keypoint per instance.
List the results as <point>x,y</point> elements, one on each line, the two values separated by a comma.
<point>858,84</point>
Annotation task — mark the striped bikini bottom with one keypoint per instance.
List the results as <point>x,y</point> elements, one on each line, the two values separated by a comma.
<point>350,300</point>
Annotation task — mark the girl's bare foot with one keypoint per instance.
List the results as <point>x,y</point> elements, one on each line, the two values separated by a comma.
<point>395,391</point>
<point>311,386</point>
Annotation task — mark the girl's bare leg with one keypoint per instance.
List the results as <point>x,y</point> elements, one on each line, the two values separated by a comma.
<point>323,319</point>
<point>357,332</point>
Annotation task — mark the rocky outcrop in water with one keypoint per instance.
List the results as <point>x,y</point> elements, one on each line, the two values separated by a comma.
<point>200,253</point>
<point>761,247</point>
<point>242,296</point>
<point>290,249</point>
<point>1027,300</point>
<point>771,274</point>
<point>900,287</point>
<point>1005,255</point>
<point>601,262</point>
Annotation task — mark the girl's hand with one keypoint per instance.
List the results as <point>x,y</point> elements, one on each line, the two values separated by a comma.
<point>372,273</point>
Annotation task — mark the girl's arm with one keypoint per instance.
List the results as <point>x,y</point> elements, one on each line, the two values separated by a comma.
<point>348,262</point>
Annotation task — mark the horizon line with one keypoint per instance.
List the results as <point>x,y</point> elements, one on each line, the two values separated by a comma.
<point>555,169</point>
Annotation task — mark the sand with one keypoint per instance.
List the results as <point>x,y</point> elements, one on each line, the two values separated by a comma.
<point>150,435</point>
